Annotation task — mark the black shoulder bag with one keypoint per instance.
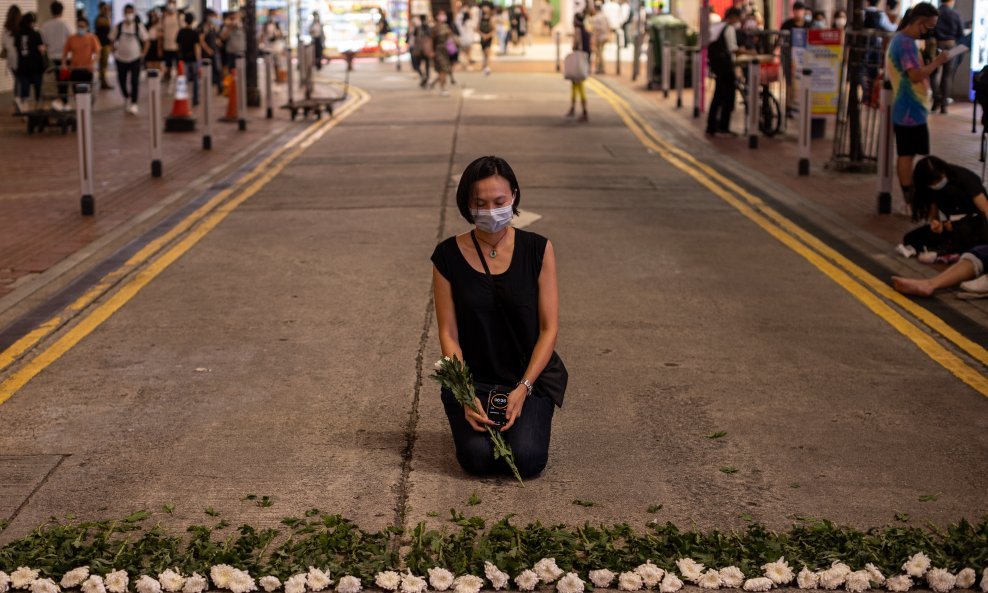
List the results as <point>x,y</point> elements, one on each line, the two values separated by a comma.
<point>554,377</point>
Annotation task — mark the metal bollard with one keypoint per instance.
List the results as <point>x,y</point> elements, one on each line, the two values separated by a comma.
<point>886,168</point>
<point>84,131</point>
<point>559,51</point>
<point>697,84</point>
<point>207,104</point>
<point>680,74</point>
<point>268,68</point>
<point>805,119</point>
<point>290,73</point>
<point>618,57</point>
<point>666,63</point>
<point>156,120</point>
<point>241,93</point>
<point>753,108</point>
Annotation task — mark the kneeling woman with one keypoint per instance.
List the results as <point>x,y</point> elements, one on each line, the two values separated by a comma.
<point>497,310</point>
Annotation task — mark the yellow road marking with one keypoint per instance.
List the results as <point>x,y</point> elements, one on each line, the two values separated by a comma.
<point>972,348</point>
<point>771,224</point>
<point>260,177</point>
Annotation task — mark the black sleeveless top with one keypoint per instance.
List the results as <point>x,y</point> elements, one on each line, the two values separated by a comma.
<point>497,339</point>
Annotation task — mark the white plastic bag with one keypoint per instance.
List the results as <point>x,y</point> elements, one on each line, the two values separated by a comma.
<point>576,66</point>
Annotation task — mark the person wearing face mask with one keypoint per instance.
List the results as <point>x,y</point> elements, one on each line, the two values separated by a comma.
<point>170,26</point>
<point>952,201</point>
<point>444,46</point>
<point>497,310</point>
<point>130,42</point>
<point>81,53</point>
<point>840,19</point>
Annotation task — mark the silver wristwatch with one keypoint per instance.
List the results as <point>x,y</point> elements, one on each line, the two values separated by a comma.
<point>527,384</point>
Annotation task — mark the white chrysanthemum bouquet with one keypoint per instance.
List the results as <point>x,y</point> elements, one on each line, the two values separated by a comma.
<point>454,375</point>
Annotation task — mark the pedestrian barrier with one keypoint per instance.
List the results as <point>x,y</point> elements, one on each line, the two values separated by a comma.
<point>680,74</point>
<point>617,57</point>
<point>268,68</point>
<point>698,82</point>
<point>805,121</point>
<point>154,114</point>
<point>754,110</point>
<point>666,61</point>
<point>207,101</point>
<point>559,51</point>
<point>241,93</point>
<point>885,147</point>
<point>180,119</point>
<point>84,132</point>
<point>856,131</point>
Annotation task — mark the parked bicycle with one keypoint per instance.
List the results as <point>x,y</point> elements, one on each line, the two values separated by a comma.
<point>770,118</point>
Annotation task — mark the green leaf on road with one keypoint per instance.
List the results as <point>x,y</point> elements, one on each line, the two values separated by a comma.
<point>169,507</point>
<point>655,508</point>
<point>794,484</point>
<point>717,435</point>
<point>474,500</point>
<point>584,503</point>
<point>136,517</point>
<point>900,516</point>
<point>250,497</point>
<point>212,512</point>
<point>265,502</point>
<point>746,517</point>
<point>729,469</point>
<point>929,497</point>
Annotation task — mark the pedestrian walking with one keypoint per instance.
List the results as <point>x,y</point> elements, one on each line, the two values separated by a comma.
<point>910,79</point>
<point>497,310</point>
<point>271,41</point>
<point>209,41</point>
<point>170,26</point>
<point>102,28</point>
<point>503,26</point>
<point>600,30</point>
<point>720,56</point>
<point>234,39</point>
<point>422,48</point>
<point>54,33</point>
<point>81,53</point>
<point>444,46</point>
<point>577,78</point>
<point>798,20</point>
<point>318,38</point>
<point>30,63</point>
<point>948,31</point>
<point>466,34</point>
<point>130,43</point>
<point>154,53</point>
<point>545,16</point>
<point>382,28</point>
<point>8,43</point>
<point>486,29</point>
<point>190,52</point>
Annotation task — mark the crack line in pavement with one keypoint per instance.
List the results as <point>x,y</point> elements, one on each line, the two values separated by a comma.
<point>42,482</point>
<point>411,428</point>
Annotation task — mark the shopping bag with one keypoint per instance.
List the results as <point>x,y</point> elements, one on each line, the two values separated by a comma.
<point>576,66</point>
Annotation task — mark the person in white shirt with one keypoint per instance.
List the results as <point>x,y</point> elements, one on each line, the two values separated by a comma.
<point>720,55</point>
<point>54,32</point>
<point>612,10</point>
<point>130,44</point>
<point>318,38</point>
<point>626,22</point>
<point>467,28</point>
<point>600,29</point>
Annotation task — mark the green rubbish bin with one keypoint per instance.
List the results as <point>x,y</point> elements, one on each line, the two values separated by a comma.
<point>663,30</point>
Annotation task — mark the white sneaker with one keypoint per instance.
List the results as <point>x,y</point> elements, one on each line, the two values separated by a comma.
<point>979,285</point>
<point>905,251</point>
<point>443,93</point>
<point>487,71</point>
<point>20,105</point>
<point>58,105</point>
<point>132,109</point>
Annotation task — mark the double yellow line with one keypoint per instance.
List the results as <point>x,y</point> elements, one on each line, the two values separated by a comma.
<point>878,296</point>
<point>145,265</point>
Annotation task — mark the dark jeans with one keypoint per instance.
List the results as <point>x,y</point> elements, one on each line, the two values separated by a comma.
<point>25,82</point>
<point>129,71</point>
<point>317,51</point>
<point>192,78</point>
<point>529,438</point>
<point>420,63</point>
<point>722,103</point>
<point>940,81</point>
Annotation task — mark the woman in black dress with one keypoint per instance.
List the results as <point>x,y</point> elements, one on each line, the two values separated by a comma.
<point>497,308</point>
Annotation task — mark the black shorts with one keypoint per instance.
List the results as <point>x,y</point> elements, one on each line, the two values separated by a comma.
<point>171,57</point>
<point>912,140</point>
<point>486,43</point>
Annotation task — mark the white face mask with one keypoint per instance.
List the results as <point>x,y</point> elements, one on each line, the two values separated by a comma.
<point>492,221</point>
<point>840,23</point>
<point>129,18</point>
<point>939,185</point>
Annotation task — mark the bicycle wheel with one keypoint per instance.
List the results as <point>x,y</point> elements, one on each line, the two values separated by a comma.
<point>770,121</point>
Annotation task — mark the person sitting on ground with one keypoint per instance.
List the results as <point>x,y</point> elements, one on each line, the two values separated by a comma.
<point>968,272</point>
<point>952,200</point>
<point>497,309</point>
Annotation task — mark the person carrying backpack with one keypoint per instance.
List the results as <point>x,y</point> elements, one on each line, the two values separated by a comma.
<point>130,44</point>
<point>720,55</point>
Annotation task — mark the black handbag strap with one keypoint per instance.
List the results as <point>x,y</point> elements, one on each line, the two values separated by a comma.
<point>483,261</point>
<point>497,305</point>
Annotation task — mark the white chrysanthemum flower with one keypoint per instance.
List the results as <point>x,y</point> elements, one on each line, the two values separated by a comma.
<point>171,581</point>
<point>413,584</point>
<point>349,584</point>
<point>940,580</point>
<point>23,577</point>
<point>270,583</point>
<point>147,584</point>
<point>468,583</point>
<point>629,581</point>
<point>807,579</point>
<point>965,579</point>
<point>195,584</point>
<point>317,580</point>
<point>388,580</point>
<point>242,582</point>
<point>296,583</point>
<point>841,568</point>
<point>917,565</point>
<point>832,578</point>
<point>94,584</point>
<point>547,570</point>
<point>4,582</point>
<point>221,574</point>
<point>651,574</point>
<point>758,584</point>
<point>874,575</point>
<point>779,572</point>
<point>670,583</point>
<point>571,583</point>
<point>899,583</point>
<point>440,578</point>
<point>601,578</point>
<point>44,586</point>
<point>497,577</point>
<point>75,577</point>
<point>117,581</point>
<point>690,570</point>
<point>858,581</point>
<point>527,580</point>
<point>731,577</point>
<point>984,581</point>
<point>709,579</point>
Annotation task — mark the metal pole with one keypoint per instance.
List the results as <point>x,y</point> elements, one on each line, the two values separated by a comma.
<point>207,104</point>
<point>636,59</point>
<point>559,51</point>
<point>805,119</point>
<point>885,146</point>
<point>291,75</point>
<point>666,70</point>
<point>84,132</point>
<point>680,74</point>
<point>241,93</point>
<point>618,57</point>
<point>753,109</point>
<point>697,83</point>
<point>268,67</point>
<point>154,113</point>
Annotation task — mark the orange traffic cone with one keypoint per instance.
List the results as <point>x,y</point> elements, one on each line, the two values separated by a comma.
<point>231,104</point>
<point>180,119</point>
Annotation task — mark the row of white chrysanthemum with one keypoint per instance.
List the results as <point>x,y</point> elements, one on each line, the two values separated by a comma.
<point>645,576</point>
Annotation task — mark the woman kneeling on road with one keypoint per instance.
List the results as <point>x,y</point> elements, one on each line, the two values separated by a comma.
<point>497,309</point>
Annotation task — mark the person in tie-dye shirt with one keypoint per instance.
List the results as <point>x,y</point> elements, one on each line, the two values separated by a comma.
<point>910,80</point>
